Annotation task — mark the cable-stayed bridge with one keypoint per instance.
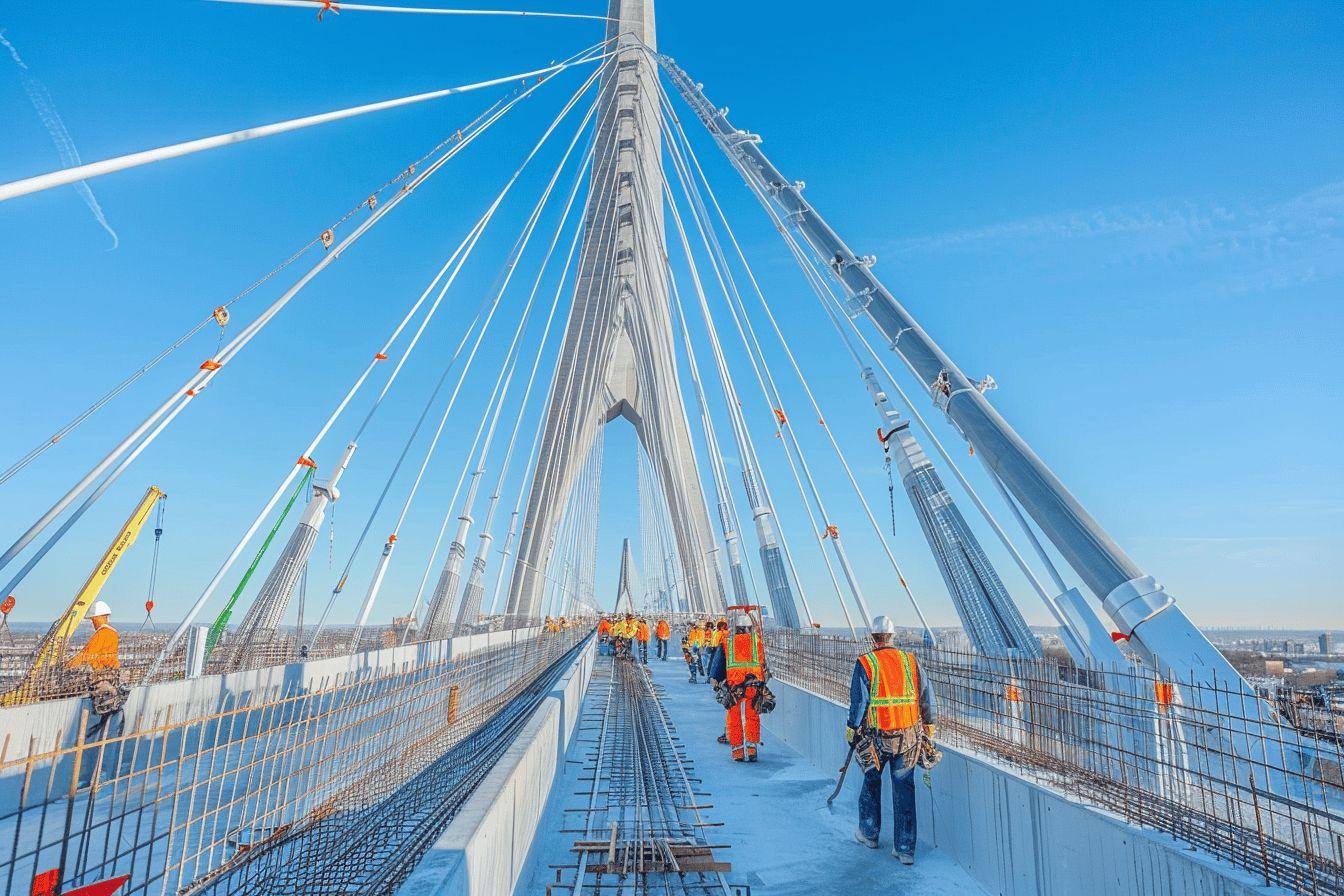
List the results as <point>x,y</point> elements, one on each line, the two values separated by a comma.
<point>265,748</point>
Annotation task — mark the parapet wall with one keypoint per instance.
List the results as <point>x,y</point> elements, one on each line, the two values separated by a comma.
<point>1014,836</point>
<point>485,847</point>
<point>52,724</point>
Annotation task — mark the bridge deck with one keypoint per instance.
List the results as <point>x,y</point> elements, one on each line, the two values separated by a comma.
<point>773,814</point>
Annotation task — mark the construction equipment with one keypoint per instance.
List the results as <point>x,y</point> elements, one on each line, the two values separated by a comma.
<point>37,683</point>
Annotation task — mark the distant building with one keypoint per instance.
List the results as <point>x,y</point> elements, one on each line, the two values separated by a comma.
<point>1327,643</point>
<point>1274,667</point>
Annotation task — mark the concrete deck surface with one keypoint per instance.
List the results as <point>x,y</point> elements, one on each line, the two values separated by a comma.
<point>783,839</point>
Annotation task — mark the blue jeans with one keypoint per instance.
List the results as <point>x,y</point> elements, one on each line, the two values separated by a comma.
<point>662,648</point>
<point>902,796</point>
<point>100,728</point>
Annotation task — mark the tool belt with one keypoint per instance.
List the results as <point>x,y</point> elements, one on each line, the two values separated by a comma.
<point>729,696</point>
<point>106,691</point>
<point>875,749</point>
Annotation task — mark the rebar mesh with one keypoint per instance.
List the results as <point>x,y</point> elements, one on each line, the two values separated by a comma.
<point>320,786</point>
<point>1186,758</point>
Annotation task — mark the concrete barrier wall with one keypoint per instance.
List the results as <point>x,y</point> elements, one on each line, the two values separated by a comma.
<point>53,723</point>
<point>1015,837</point>
<point>484,850</point>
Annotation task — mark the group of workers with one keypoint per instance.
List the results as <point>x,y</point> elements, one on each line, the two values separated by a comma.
<point>890,727</point>
<point>623,633</point>
<point>892,712</point>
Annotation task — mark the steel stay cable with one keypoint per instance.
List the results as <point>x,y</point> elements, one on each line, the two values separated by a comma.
<point>63,176</point>
<point>369,202</point>
<point>789,439</point>
<point>275,497</point>
<point>812,400</point>
<point>466,368</point>
<point>707,572</point>
<point>512,268</point>
<point>772,395</point>
<point>607,212</point>
<point>340,6</point>
<point>415,606</point>
<point>159,419</point>
<point>970,491</point>
<point>563,220</point>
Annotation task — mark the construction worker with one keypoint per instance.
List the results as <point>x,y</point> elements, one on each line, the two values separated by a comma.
<point>548,625</point>
<point>891,717</point>
<point>662,632</point>
<point>99,660</point>
<point>625,633</point>
<point>642,636</point>
<point>695,639</point>
<point>740,666</point>
<point>690,655</point>
<point>717,635</point>
<point>604,635</point>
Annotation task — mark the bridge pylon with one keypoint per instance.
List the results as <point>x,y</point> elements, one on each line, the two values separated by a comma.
<point>618,357</point>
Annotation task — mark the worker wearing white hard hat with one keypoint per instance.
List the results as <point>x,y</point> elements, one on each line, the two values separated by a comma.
<point>101,663</point>
<point>891,720</point>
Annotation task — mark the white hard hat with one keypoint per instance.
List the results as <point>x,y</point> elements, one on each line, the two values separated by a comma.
<point>740,618</point>
<point>100,608</point>
<point>883,625</point>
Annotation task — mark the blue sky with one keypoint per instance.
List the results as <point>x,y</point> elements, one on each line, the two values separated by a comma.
<point>1132,217</point>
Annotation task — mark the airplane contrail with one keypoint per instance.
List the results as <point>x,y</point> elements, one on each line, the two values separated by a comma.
<point>65,146</point>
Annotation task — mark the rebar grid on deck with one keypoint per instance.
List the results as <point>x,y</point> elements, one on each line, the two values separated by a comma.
<point>1161,754</point>
<point>335,784</point>
<point>639,829</point>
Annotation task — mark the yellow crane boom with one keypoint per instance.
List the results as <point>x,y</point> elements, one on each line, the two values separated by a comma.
<point>52,648</point>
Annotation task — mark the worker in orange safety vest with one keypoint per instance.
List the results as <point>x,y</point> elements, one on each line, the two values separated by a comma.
<point>740,666</point>
<point>642,636</point>
<point>695,642</point>
<point>891,720</point>
<point>102,663</point>
<point>662,631</point>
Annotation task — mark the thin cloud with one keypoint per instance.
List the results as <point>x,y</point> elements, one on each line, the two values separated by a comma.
<point>51,119</point>
<point>1247,247</point>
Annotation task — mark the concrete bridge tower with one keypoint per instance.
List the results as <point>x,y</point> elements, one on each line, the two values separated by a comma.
<point>618,358</point>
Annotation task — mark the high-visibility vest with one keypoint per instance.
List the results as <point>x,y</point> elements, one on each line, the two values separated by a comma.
<point>717,637</point>
<point>642,631</point>
<point>664,630</point>
<point>743,657</point>
<point>603,627</point>
<point>100,652</point>
<point>696,636</point>
<point>893,689</point>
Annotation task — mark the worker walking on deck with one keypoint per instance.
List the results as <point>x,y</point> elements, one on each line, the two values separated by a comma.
<point>695,638</point>
<point>740,667</point>
<point>662,631</point>
<point>100,661</point>
<point>891,721</point>
<point>715,637</point>
<point>642,636</point>
<point>688,653</point>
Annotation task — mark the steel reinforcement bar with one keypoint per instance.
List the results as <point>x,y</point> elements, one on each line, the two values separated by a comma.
<point>1152,751</point>
<point>333,785</point>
